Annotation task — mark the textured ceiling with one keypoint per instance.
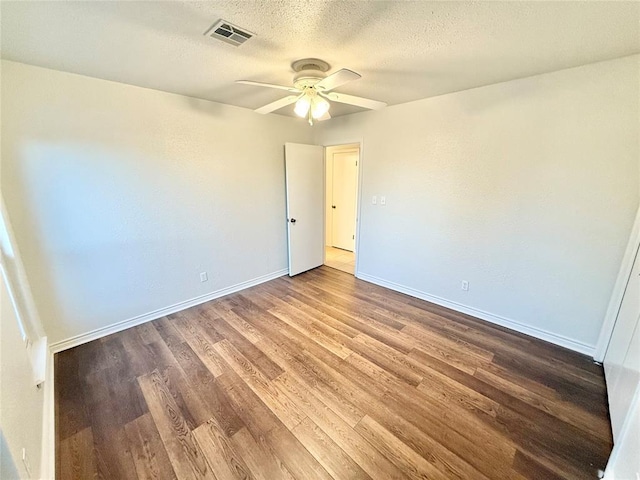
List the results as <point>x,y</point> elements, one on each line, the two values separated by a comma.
<point>404,50</point>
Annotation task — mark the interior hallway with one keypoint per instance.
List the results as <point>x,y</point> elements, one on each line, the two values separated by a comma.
<point>340,259</point>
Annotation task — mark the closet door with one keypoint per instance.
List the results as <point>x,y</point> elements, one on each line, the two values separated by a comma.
<point>622,360</point>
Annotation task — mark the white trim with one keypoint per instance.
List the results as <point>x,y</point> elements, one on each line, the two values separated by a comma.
<point>16,280</point>
<point>489,317</point>
<point>325,213</point>
<point>625,434</point>
<point>618,290</point>
<point>14,302</point>
<point>48,454</point>
<point>359,206</point>
<point>161,312</point>
<point>36,346</point>
<point>38,353</point>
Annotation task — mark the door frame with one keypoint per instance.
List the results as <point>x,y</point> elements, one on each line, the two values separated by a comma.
<point>618,291</point>
<point>360,142</point>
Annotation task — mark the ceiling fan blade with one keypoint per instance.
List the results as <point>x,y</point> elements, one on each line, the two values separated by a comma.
<point>324,117</point>
<point>336,79</point>
<point>268,85</point>
<point>357,101</point>
<point>273,106</point>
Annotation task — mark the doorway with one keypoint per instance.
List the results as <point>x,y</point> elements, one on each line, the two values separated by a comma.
<point>342,163</point>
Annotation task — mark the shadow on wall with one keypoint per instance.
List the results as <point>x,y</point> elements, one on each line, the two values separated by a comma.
<point>85,210</point>
<point>8,468</point>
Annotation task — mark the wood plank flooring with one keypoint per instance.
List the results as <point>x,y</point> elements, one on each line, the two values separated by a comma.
<point>325,376</point>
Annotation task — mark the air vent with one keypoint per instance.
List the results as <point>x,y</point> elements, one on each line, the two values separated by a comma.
<point>227,32</point>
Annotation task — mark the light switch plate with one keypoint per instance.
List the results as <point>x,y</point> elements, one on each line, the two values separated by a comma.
<point>383,200</point>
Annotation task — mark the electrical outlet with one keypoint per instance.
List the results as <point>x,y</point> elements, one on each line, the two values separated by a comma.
<point>374,200</point>
<point>203,277</point>
<point>465,285</point>
<point>25,462</point>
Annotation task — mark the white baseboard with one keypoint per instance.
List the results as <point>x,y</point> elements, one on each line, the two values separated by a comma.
<point>147,317</point>
<point>489,317</point>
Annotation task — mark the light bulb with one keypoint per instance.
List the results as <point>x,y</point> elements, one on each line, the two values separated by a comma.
<point>320,107</point>
<point>302,106</point>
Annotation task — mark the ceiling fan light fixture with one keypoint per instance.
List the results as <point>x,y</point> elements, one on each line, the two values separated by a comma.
<point>319,107</point>
<point>313,91</point>
<point>303,104</point>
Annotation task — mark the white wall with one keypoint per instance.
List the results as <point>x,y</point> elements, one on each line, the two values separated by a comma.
<point>120,196</point>
<point>21,403</point>
<point>526,189</point>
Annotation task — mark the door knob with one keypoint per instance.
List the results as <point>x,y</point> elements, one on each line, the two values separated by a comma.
<point>333,206</point>
<point>293,220</point>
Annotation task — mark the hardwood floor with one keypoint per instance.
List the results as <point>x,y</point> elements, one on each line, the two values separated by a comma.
<point>325,376</point>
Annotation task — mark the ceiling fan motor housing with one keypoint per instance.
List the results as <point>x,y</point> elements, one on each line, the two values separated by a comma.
<point>307,78</point>
<point>309,71</point>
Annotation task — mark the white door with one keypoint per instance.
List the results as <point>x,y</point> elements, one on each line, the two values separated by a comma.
<point>343,205</point>
<point>622,360</point>
<point>304,173</point>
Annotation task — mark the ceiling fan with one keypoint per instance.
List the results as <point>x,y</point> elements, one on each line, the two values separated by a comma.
<point>312,90</point>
